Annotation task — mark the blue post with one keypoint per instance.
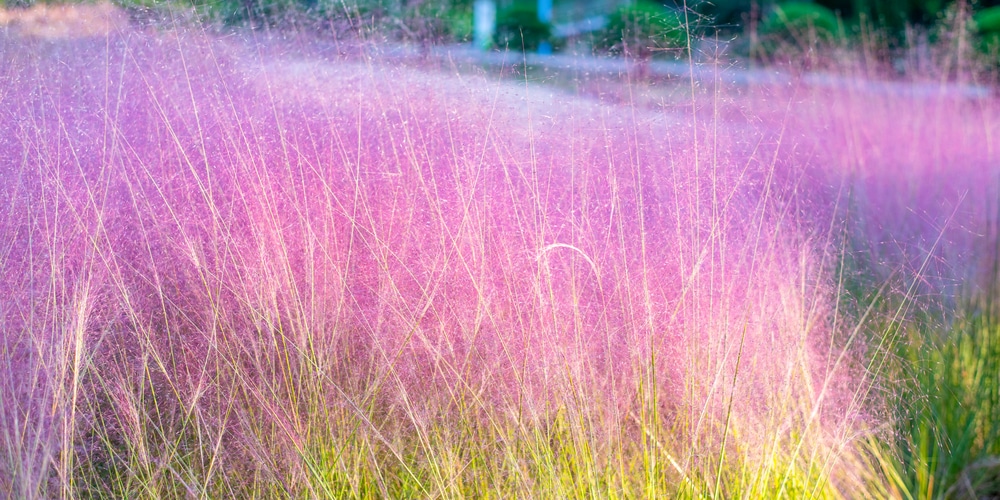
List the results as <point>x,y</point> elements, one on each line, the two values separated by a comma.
<point>545,16</point>
<point>484,21</point>
<point>545,11</point>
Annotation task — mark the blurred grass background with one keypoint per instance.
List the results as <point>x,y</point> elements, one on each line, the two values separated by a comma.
<point>664,23</point>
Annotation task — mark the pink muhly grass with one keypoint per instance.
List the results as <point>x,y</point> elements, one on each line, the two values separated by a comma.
<point>233,275</point>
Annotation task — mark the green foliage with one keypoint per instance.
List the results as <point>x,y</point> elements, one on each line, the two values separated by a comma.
<point>791,30</point>
<point>255,12</point>
<point>425,21</point>
<point>799,18</point>
<point>895,15</point>
<point>986,24</point>
<point>724,14</point>
<point>229,12</point>
<point>518,27</point>
<point>459,19</point>
<point>947,407</point>
<point>643,28</point>
<point>987,20</point>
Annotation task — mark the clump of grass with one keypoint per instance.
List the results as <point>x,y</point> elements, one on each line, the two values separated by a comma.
<point>944,435</point>
<point>239,274</point>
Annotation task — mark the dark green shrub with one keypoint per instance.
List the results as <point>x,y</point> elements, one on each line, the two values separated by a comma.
<point>424,21</point>
<point>518,27</point>
<point>799,19</point>
<point>459,19</point>
<point>892,18</point>
<point>257,12</point>
<point>724,15</point>
<point>896,15</point>
<point>435,21</point>
<point>987,20</point>
<point>987,27</point>
<point>229,12</point>
<point>643,28</point>
<point>164,12</point>
<point>791,31</point>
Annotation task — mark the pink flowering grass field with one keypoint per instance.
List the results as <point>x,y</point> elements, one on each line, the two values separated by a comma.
<point>242,267</point>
